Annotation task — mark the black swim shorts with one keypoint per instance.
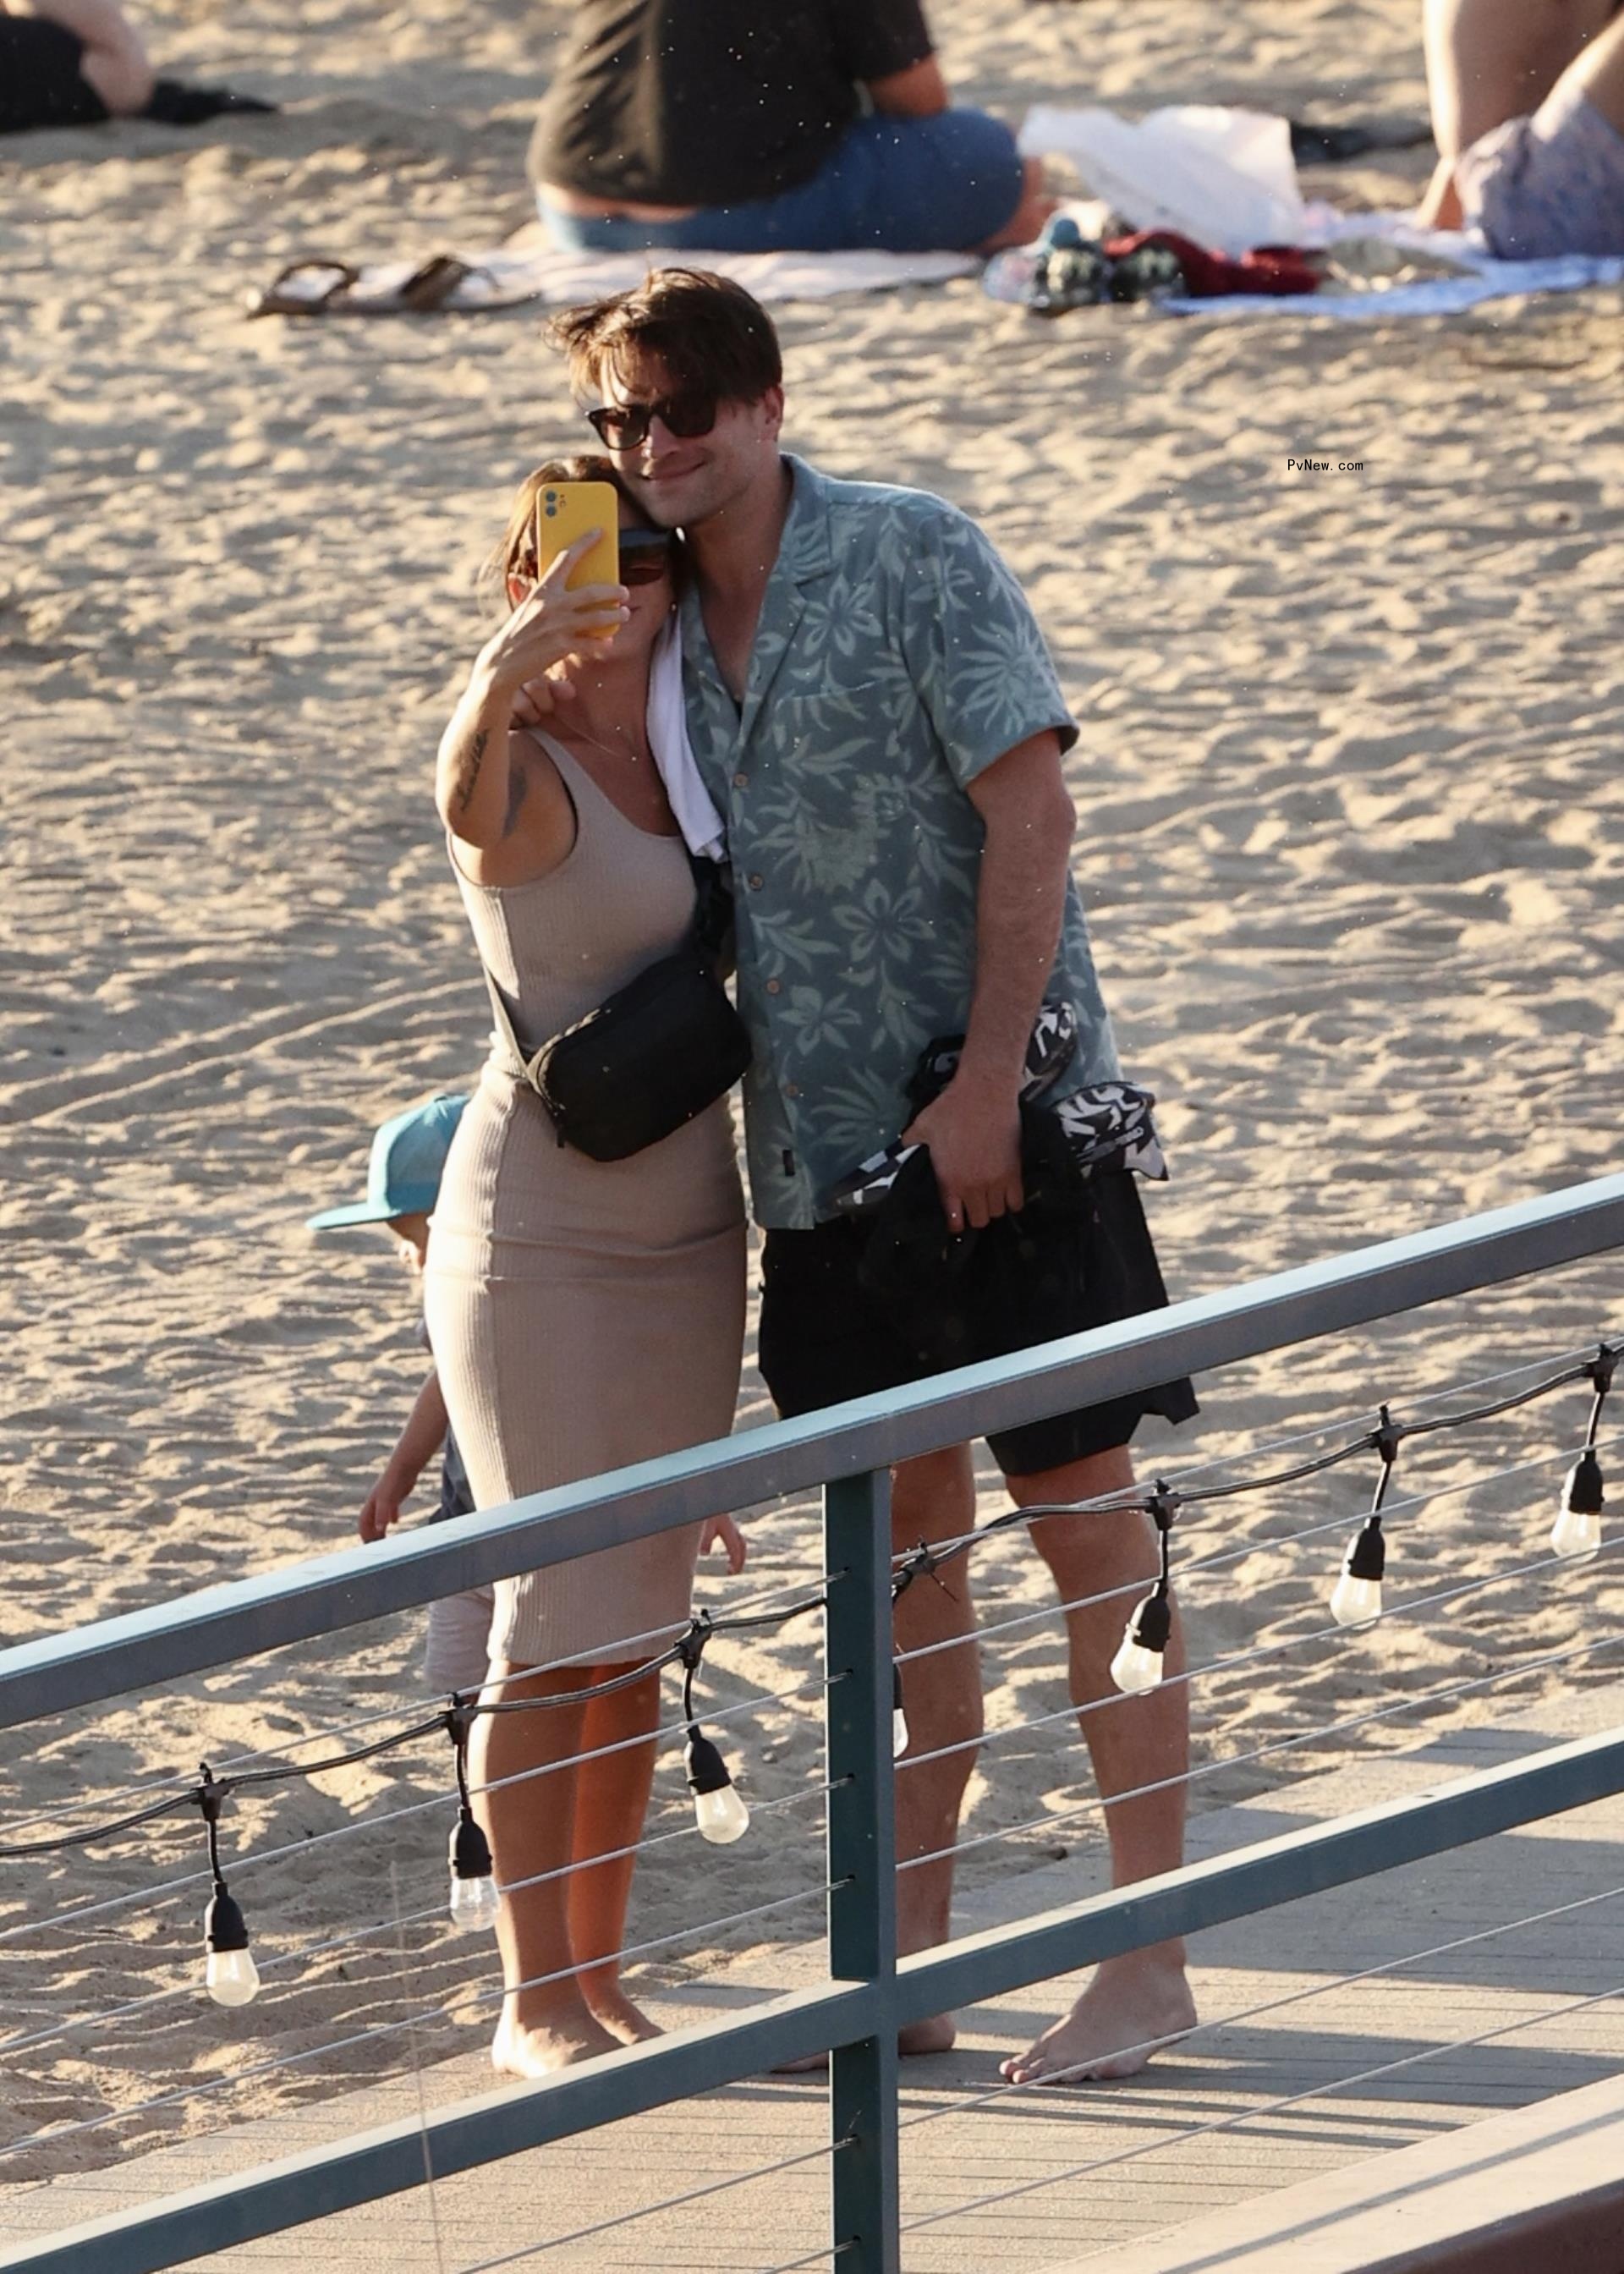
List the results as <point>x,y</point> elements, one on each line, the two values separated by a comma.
<point>844,1317</point>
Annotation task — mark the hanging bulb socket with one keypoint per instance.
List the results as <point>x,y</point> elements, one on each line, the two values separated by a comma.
<point>475,1901</point>
<point>898,1718</point>
<point>721,1816</point>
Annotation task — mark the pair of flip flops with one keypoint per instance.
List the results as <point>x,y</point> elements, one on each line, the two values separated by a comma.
<point>333,287</point>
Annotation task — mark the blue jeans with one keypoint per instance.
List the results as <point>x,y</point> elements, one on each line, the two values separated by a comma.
<point>941,184</point>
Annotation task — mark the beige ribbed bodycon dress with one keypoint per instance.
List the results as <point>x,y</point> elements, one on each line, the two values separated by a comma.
<point>583,1313</point>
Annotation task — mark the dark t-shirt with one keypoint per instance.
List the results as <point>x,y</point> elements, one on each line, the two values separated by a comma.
<point>40,82</point>
<point>712,102</point>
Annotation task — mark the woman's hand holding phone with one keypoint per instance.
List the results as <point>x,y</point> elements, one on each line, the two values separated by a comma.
<point>552,622</point>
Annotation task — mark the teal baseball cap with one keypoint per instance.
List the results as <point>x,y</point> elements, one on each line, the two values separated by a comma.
<point>408,1159</point>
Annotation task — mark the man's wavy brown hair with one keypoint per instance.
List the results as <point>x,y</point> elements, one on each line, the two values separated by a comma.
<point>709,332</point>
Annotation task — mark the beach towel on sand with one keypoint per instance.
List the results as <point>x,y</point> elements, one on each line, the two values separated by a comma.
<point>528,267</point>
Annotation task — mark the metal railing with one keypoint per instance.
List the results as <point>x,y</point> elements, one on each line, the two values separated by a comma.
<point>855,2018</point>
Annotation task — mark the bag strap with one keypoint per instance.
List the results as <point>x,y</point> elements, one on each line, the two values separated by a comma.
<point>523,1068</point>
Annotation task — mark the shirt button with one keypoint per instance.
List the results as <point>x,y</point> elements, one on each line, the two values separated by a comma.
<point>741,782</point>
<point>755,883</point>
<point>791,1089</point>
<point>774,986</point>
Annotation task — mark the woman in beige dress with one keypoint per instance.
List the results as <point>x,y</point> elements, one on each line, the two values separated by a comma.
<point>583,1313</point>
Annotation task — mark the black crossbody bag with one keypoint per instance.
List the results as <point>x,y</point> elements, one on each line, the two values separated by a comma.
<point>650,1057</point>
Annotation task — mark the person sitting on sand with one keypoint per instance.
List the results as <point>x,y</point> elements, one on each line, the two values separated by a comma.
<point>79,63</point>
<point>811,125</point>
<point>1528,110</point>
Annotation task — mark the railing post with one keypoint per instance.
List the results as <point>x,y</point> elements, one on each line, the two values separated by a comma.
<point>862,1865</point>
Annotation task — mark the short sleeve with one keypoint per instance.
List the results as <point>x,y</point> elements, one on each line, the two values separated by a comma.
<point>874,38</point>
<point>978,661</point>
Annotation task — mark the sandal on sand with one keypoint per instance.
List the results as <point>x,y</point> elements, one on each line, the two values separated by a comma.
<point>285,297</point>
<point>333,287</point>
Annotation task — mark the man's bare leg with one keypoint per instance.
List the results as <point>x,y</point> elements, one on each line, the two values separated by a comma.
<point>1144,1996</point>
<point>934,1498</point>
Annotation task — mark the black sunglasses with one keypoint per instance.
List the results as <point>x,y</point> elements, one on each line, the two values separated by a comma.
<point>625,426</point>
<point>645,555</point>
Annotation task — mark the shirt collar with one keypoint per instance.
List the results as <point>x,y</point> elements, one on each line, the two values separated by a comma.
<point>806,549</point>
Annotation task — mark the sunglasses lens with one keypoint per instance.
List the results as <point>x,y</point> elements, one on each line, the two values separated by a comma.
<point>620,429</point>
<point>689,415</point>
<point>645,566</point>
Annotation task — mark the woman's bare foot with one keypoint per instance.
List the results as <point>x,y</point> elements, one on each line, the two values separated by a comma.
<point>613,2010</point>
<point>1130,2011</point>
<point>567,2033</point>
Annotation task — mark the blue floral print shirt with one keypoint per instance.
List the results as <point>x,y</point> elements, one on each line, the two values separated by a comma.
<point>896,658</point>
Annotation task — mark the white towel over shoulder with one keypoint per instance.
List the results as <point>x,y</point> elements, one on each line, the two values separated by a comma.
<point>674,754</point>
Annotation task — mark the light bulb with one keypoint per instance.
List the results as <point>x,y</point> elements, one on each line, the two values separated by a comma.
<point>231,1977</point>
<point>1355,1602</point>
<point>1137,1665</point>
<point>474,1903</point>
<point>1356,1598</point>
<point>1576,1532</point>
<point>898,1719</point>
<point>721,1816</point>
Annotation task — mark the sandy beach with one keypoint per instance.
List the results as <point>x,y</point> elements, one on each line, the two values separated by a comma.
<point>1351,829</point>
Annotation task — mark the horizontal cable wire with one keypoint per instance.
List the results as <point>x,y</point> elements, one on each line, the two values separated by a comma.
<point>814,2258</point>
<point>1222,1557</point>
<point>1135,1496</point>
<point>827,2148</point>
<point>1078,2073</point>
<point>669,1731</point>
<point>376,2030</point>
<point>697,1637</point>
<point>1266,2108</point>
<point>78,2024</point>
<point>1398,1611</point>
<point>1277,1745</point>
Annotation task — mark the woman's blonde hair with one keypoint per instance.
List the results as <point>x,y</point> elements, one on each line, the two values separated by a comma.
<point>515,553</point>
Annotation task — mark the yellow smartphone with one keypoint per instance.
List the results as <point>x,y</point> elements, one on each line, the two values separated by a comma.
<point>564,512</point>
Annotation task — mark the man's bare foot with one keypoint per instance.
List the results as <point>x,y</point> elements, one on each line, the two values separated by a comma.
<point>613,2010</point>
<point>937,2036</point>
<point>541,2048</point>
<point>1130,2011</point>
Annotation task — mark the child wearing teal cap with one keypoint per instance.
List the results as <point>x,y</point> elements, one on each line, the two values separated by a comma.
<point>402,1183</point>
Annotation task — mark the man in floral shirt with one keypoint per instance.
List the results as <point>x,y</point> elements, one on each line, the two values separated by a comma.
<point>877,716</point>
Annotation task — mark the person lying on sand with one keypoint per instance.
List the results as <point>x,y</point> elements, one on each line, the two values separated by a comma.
<point>810,125</point>
<point>79,63</point>
<point>1528,112</point>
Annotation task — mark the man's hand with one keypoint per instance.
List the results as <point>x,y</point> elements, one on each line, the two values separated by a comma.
<point>973,1132</point>
<point>381,1508</point>
<point>722,1531</point>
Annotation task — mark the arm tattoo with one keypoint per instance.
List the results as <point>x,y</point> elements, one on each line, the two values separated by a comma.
<point>471,770</point>
<point>517,784</point>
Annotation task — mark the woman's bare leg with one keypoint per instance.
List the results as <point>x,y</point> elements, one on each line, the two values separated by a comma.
<point>1599,73</point>
<point>546,2022</point>
<point>1491,60</point>
<point>611,1801</point>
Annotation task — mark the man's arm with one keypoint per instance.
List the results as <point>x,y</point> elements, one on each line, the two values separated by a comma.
<point>974,1128</point>
<point>920,92</point>
<point>114,61</point>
